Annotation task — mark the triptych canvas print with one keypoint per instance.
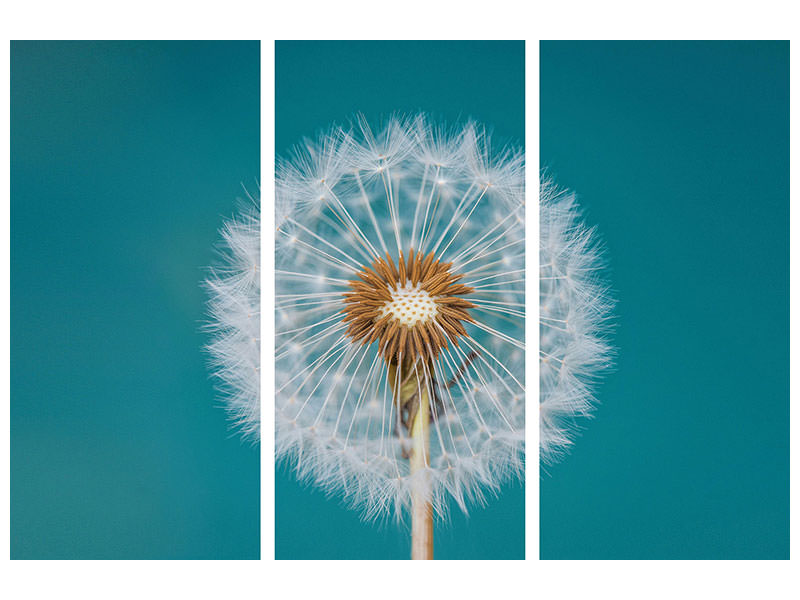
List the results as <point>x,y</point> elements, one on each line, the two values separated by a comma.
<point>357,315</point>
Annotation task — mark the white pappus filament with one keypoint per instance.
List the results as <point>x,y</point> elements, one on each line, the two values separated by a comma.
<point>574,311</point>
<point>234,288</point>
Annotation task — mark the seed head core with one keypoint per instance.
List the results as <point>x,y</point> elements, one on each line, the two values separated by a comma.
<point>412,309</point>
<point>410,305</point>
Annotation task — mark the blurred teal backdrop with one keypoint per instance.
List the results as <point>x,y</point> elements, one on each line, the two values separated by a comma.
<point>317,84</point>
<point>680,154</point>
<point>125,156</point>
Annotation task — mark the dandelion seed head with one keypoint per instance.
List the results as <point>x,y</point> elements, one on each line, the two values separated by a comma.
<point>408,259</point>
<point>234,288</point>
<point>574,307</point>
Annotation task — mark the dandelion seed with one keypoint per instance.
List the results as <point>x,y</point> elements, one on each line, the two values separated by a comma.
<point>400,331</point>
<point>234,288</point>
<point>574,308</point>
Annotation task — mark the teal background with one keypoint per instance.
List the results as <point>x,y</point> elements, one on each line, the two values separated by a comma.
<point>124,158</point>
<point>680,154</point>
<point>317,84</point>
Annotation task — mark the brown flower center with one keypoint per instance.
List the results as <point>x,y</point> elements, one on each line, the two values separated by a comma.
<point>412,309</point>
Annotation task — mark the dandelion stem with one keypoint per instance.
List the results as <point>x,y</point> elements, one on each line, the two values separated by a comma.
<point>421,509</point>
<point>411,395</point>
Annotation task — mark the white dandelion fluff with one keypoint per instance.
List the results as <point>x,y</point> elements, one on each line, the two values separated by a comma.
<point>574,308</point>
<point>234,288</point>
<point>400,316</point>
